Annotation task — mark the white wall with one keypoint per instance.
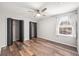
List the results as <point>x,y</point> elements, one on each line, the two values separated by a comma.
<point>14,31</point>
<point>32,29</point>
<point>47,30</point>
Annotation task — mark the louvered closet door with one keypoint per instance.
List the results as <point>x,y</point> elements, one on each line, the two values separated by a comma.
<point>9,31</point>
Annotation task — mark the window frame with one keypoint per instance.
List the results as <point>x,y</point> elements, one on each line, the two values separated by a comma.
<point>59,25</point>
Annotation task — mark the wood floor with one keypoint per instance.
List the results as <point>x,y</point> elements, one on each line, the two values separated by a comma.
<point>37,47</point>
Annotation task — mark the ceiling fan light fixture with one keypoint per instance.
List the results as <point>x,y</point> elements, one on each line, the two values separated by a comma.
<point>38,15</point>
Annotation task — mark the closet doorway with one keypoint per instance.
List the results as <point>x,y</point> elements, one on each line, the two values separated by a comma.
<point>32,30</point>
<point>15,31</point>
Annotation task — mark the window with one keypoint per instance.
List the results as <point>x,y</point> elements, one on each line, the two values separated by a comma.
<point>65,26</point>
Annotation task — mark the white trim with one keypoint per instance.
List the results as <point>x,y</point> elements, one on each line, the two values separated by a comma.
<point>65,35</point>
<point>0,50</point>
<point>60,42</point>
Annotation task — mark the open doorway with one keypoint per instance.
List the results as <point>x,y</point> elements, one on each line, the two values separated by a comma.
<point>32,30</point>
<point>15,31</point>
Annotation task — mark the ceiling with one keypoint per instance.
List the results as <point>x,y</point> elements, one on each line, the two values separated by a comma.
<point>53,8</point>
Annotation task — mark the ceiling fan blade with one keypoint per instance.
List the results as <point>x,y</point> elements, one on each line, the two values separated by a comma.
<point>44,13</point>
<point>44,9</point>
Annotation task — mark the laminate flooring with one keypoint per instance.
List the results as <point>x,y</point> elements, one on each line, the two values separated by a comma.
<point>37,47</point>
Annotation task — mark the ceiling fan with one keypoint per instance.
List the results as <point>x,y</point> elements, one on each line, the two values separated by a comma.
<point>39,12</point>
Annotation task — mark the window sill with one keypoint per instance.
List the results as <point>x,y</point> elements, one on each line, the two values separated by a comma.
<point>66,35</point>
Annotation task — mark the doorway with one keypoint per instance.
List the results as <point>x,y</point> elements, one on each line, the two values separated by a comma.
<point>15,31</point>
<point>32,30</point>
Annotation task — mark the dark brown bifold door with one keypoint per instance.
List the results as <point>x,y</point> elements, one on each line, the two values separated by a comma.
<point>35,30</point>
<point>9,31</point>
<point>21,31</point>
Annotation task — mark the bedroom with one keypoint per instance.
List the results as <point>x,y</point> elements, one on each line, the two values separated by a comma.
<point>53,23</point>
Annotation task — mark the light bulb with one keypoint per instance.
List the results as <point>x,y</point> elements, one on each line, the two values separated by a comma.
<point>38,15</point>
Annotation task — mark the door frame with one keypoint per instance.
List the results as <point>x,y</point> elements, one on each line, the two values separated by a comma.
<point>30,29</point>
<point>10,31</point>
